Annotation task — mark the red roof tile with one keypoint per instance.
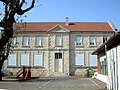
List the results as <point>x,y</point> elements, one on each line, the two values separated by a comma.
<point>73,26</point>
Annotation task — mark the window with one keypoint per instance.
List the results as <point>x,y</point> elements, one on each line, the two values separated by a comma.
<point>78,40</point>
<point>58,55</point>
<point>79,59</point>
<point>92,60</point>
<point>38,59</point>
<point>25,41</point>
<point>105,38</point>
<point>12,59</point>
<point>38,41</point>
<point>14,40</point>
<point>24,59</point>
<point>104,67</point>
<point>58,40</point>
<point>92,40</point>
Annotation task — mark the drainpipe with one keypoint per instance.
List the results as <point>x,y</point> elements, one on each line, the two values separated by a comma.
<point>48,53</point>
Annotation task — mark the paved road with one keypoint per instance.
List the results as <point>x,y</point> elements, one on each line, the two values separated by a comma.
<point>53,83</point>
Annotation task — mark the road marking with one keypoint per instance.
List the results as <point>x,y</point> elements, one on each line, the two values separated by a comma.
<point>45,84</point>
<point>3,89</point>
<point>95,83</point>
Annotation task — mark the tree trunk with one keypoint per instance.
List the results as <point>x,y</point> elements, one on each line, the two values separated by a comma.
<point>1,64</point>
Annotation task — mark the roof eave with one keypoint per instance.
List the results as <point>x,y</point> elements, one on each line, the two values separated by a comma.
<point>108,43</point>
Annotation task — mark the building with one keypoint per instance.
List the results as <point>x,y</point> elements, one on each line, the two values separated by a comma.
<point>49,47</point>
<point>109,62</point>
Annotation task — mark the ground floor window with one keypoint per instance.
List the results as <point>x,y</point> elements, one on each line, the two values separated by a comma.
<point>24,59</point>
<point>92,60</point>
<point>38,59</point>
<point>12,59</point>
<point>79,59</point>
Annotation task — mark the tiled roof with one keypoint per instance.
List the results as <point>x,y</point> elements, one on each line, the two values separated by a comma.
<point>73,26</point>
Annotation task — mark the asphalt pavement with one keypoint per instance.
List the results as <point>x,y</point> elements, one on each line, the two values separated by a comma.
<point>52,83</point>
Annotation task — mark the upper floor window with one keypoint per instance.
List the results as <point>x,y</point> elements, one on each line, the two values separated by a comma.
<point>78,40</point>
<point>58,40</point>
<point>12,59</point>
<point>92,40</point>
<point>38,41</point>
<point>105,38</point>
<point>25,41</point>
<point>14,40</point>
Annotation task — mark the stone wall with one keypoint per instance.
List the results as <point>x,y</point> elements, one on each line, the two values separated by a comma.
<point>49,48</point>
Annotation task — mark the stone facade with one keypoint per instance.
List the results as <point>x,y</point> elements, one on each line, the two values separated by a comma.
<point>49,50</point>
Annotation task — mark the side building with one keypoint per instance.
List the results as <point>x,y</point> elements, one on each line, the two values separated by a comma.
<point>49,47</point>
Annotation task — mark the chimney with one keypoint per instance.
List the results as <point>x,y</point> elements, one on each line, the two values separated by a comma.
<point>67,21</point>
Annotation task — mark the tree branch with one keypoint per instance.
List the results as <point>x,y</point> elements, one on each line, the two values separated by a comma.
<point>5,1</point>
<point>22,2</point>
<point>21,12</point>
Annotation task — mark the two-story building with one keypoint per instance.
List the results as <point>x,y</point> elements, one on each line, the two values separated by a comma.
<point>49,47</point>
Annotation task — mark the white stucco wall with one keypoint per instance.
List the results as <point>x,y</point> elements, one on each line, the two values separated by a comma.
<point>101,77</point>
<point>118,55</point>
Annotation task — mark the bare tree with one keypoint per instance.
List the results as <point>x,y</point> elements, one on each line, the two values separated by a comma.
<point>11,8</point>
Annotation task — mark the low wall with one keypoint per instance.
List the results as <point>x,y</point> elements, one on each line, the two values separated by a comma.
<point>34,72</point>
<point>101,77</point>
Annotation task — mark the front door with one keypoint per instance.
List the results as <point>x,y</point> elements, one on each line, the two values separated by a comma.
<point>58,62</point>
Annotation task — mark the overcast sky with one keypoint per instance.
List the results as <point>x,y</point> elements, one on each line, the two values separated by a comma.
<point>76,10</point>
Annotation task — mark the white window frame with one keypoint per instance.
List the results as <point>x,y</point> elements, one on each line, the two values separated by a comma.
<point>78,62</point>
<point>25,43</point>
<point>38,43</point>
<point>24,62</point>
<point>41,61</point>
<point>13,59</point>
<point>92,42</point>
<point>79,41</point>
<point>90,59</point>
<point>60,40</point>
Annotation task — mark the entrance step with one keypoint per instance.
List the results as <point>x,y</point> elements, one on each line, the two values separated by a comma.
<point>58,74</point>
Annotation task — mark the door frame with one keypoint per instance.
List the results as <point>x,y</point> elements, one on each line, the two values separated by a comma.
<point>58,58</point>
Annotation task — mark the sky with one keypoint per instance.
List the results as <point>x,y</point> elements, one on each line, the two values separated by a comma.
<point>76,10</point>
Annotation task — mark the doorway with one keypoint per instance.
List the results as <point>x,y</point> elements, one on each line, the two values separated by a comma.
<point>58,62</point>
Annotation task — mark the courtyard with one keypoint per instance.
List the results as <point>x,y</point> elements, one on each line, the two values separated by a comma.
<point>53,83</point>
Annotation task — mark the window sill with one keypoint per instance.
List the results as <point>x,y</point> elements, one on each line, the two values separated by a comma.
<point>58,46</point>
<point>79,66</point>
<point>92,46</point>
<point>11,66</point>
<point>26,46</point>
<point>36,67</point>
<point>13,46</point>
<point>38,46</point>
<point>84,67</point>
<point>79,46</point>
